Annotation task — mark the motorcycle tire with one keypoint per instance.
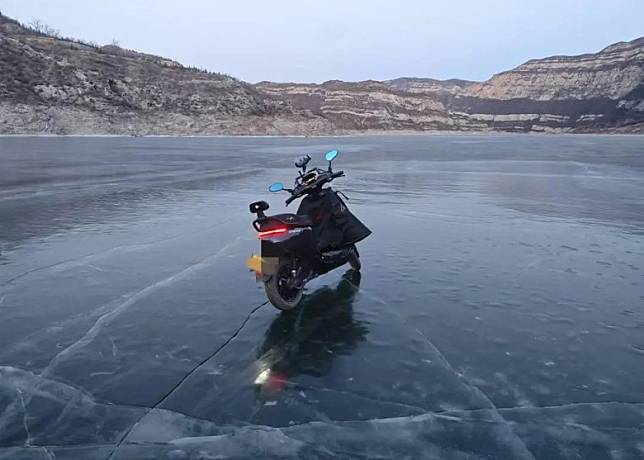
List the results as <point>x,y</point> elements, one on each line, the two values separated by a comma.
<point>354,259</point>
<point>279,295</point>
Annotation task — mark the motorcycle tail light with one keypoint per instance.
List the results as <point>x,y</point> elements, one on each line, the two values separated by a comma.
<point>272,232</point>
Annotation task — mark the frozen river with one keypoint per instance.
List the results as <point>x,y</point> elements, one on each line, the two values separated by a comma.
<point>500,312</point>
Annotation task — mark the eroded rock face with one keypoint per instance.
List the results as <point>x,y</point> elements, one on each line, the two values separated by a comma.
<point>612,73</point>
<point>59,86</point>
<point>593,92</point>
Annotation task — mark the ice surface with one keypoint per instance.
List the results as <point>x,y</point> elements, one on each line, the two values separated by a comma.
<point>39,411</point>
<point>573,431</point>
<point>498,314</point>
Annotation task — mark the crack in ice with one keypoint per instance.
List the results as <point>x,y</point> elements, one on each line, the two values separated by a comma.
<point>572,405</point>
<point>114,348</point>
<point>98,269</point>
<point>421,410</point>
<point>29,339</point>
<point>24,418</point>
<point>439,414</point>
<point>49,454</point>
<point>79,261</point>
<point>521,446</point>
<point>107,318</point>
<point>61,383</point>
<point>8,412</point>
<point>56,446</point>
<point>186,377</point>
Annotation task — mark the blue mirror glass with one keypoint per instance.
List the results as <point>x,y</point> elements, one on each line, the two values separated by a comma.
<point>330,155</point>
<point>276,187</point>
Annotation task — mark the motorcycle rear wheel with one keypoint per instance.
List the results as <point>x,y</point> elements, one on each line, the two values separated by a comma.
<point>279,295</point>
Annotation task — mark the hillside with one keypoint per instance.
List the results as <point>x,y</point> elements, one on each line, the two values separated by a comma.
<point>53,85</point>
<point>50,84</point>
<point>589,93</point>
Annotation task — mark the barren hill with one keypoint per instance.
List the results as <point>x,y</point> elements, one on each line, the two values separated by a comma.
<point>50,84</point>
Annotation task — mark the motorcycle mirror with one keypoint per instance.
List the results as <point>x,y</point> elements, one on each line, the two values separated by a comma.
<point>330,155</point>
<point>276,187</point>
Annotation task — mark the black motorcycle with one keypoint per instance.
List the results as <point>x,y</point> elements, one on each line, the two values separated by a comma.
<point>295,248</point>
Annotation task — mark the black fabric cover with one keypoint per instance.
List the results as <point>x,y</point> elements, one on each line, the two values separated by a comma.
<point>333,224</point>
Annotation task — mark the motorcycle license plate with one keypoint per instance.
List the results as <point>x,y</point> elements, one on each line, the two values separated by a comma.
<point>262,266</point>
<point>254,263</point>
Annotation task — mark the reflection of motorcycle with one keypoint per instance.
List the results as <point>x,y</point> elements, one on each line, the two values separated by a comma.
<point>307,340</point>
<point>299,247</point>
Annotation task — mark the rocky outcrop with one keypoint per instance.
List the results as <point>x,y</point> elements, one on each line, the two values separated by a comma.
<point>54,85</point>
<point>589,93</point>
<point>612,73</point>
<point>369,106</point>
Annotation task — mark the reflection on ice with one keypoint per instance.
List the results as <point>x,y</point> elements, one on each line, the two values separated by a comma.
<point>307,341</point>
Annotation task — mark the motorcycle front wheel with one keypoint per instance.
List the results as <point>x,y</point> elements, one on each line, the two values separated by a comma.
<point>277,290</point>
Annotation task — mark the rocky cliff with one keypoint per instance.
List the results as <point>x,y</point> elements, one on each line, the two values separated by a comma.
<point>589,93</point>
<point>53,85</point>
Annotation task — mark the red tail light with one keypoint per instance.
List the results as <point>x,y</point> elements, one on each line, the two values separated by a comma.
<point>275,231</point>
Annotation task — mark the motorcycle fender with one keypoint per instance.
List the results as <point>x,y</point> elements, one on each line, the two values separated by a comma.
<point>299,241</point>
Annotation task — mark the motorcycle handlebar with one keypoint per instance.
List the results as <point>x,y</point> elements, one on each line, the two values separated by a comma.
<point>295,195</point>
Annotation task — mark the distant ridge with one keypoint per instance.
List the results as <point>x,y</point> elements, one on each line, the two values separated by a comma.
<point>51,84</point>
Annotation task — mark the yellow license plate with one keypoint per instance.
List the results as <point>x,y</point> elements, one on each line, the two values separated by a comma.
<point>254,263</point>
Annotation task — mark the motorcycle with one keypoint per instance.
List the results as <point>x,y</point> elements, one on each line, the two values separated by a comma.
<point>320,237</point>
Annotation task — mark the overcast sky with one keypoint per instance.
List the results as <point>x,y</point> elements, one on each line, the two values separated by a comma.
<point>314,41</point>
